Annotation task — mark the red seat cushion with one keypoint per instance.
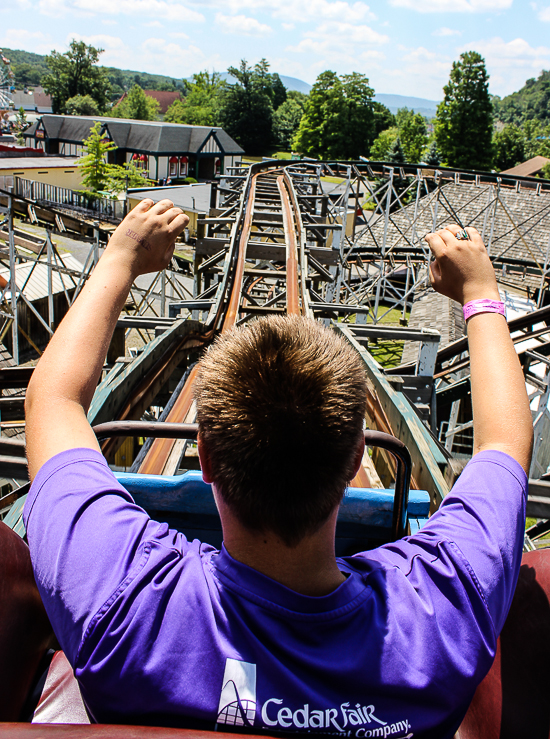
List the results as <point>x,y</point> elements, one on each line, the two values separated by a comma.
<point>25,631</point>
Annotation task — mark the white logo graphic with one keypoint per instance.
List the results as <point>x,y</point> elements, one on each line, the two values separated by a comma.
<point>238,697</point>
<point>358,721</point>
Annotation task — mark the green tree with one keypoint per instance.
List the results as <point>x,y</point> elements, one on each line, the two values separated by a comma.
<point>99,175</point>
<point>546,171</point>
<point>537,139</point>
<point>431,155</point>
<point>287,117</point>
<point>246,107</point>
<point>532,102</point>
<point>383,118</point>
<point>383,143</point>
<point>338,121</point>
<point>508,147</point>
<point>81,105</point>
<point>279,91</point>
<point>121,177</point>
<point>200,107</point>
<point>93,164</point>
<point>26,75</point>
<point>396,155</point>
<point>137,105</point>
<point>464,122</point>
<point>75,73</point>
<point>413,133</point>
<point>21,124</point>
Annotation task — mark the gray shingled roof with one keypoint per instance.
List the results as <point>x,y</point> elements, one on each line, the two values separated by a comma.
<point>153,137</point>
<point>521,224</point>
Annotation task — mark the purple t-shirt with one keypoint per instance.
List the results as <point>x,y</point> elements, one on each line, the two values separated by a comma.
<point>162,630</point>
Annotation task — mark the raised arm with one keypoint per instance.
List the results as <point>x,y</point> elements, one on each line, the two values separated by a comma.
<point>64,381</point>
<point>463,271</point>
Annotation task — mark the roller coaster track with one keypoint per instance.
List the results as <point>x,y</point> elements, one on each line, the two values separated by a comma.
<point>281,244</point>
<point>269,213</point>
<point>272,248</point>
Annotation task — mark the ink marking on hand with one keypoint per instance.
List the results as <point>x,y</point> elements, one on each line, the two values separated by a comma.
<point>136,237</point>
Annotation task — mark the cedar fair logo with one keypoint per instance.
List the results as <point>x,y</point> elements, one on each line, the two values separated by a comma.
<point>237,707</point>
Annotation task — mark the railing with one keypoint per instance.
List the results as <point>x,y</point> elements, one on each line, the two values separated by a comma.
<point>94,207</point>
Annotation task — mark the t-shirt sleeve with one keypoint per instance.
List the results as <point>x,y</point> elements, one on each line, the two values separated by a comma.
<point>480,526</point>
<point>86,539</point>
<point>484,515</point>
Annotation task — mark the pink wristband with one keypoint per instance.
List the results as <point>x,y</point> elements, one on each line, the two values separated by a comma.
<point>483,306</point>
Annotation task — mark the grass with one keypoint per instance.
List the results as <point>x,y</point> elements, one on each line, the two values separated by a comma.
<point>335,180</point>
<point>387,353</point>
<point>270,155</point>
<point>530,522</point>
<point>280,154</point>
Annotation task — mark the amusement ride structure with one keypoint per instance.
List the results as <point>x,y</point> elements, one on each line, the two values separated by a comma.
<point>278,241</point>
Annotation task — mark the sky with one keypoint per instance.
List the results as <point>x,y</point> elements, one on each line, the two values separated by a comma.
<point>404,47</point>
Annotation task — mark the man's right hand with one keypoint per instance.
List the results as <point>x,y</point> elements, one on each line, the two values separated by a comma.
<point>462,269</point>
<point>145,239</point>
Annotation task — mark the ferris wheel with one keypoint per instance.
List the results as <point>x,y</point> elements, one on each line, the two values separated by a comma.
<point>6,83</point>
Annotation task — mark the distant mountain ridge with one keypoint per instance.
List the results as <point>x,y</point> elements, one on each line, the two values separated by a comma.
<point>291,83</point>
<point>427,108</point>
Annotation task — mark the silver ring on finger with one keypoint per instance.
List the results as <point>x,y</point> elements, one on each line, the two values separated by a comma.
<point>463,235</point>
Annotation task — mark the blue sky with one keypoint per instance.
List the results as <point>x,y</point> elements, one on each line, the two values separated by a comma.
<point>405,47</point>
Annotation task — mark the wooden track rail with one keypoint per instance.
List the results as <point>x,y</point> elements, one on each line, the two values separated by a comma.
<point>267,215</point>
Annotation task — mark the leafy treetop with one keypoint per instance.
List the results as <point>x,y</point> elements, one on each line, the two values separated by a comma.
<point>338,121</point>
<point>81,105</point>
<point>413,133</point>
<point>201,104</point>
<point>464,122</point>
<point>246,107</point>
<point>137,105</point>
<point>532,102</point>
<point>76,73</point>
<point>287,117</point>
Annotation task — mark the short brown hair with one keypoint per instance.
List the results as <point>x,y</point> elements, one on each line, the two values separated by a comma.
<point>280,406</point>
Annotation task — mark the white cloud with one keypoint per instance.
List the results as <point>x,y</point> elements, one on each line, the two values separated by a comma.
<point>510,63</point>
<point>116,51</point>
<point>178,34</point>
<point>288,26</point>
<point>109,22</point>
<point>446,32</point>
<point>155,54</point>
<point>19,38</point>
<point>241,24</point>
<point>418,71</point>
<point>152,24</point>
<point>453,6</point>
<point>337,36</point>
<point>99,40</point>
<point>302,11</point>
<point>340,45</point>
<point>169,10</point>
<point>544,14</point>
<point>17,5</point>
